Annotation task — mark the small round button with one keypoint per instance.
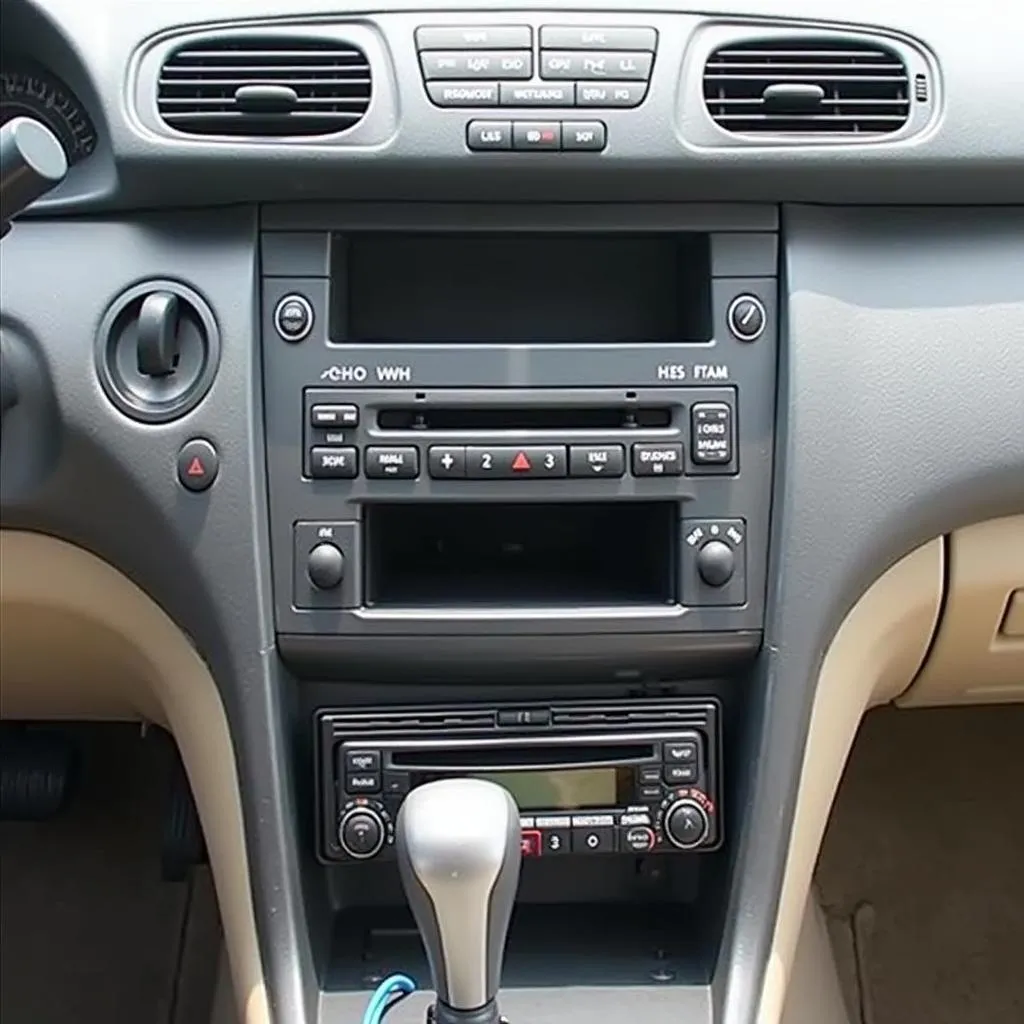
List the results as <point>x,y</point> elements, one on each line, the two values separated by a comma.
<point>639,839</point>
<point>293,317</point>
<point>198,463</point>
<point>686,824</point>
<point>361,833</point>
<point>326,566</point>
<point>747,317</point>
<point>716,563</point>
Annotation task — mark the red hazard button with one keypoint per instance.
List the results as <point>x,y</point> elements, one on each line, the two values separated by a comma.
<point>198,463</point>
<point>521,463</point>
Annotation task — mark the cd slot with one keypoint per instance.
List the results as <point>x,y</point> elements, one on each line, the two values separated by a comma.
<point>532,417</point>
<point>481,758</point>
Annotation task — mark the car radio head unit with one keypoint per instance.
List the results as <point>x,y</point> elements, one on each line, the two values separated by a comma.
<point>488,434</point>
<point>587,778</point>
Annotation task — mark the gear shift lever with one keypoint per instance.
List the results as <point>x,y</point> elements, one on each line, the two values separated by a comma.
<point>458,846</point>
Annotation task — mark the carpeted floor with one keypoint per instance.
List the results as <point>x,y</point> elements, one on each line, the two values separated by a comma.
<point>923,867</point>
<point>89,933</point>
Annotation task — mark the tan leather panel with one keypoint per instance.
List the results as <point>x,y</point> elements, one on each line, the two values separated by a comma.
<point>978,655</point>
<point>873,658</point>
<point>814,995</point>
<point>78,639</point>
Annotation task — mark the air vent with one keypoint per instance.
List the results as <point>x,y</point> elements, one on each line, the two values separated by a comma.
<point>823,86</point>
<point>276,86</point>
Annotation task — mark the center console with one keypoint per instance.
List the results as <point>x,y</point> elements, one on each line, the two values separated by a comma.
<point>520,472</point>
<point>540,438</point>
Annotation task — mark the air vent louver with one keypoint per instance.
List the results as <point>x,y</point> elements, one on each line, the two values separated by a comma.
<point>822,86</point>
<point>279,86</point>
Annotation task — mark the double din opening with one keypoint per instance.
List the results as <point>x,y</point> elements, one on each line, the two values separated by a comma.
<point>521,554</point>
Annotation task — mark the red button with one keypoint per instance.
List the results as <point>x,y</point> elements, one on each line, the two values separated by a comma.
<point>529,842</point>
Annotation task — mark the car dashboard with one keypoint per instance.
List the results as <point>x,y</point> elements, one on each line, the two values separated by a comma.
<point>612,402</point>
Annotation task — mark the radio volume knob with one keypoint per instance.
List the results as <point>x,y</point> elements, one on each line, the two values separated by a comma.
<point>361,833</point>
<point>686,824</point>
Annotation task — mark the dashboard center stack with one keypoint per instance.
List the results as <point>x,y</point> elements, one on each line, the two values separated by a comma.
<point>510,430</point>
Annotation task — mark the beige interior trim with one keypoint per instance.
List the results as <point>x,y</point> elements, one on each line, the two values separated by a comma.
<point>79,640</point>
<point>976,659</point>
<point>814,994</point>
<point>873,658</point>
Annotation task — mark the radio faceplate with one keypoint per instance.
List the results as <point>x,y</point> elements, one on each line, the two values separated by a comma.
<point>602,778</point>
<point>532,445</point>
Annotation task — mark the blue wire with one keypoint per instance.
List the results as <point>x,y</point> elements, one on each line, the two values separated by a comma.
<point>382,999</point>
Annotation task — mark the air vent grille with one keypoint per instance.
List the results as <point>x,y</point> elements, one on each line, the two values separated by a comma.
<point>822,86</point>
<point>279,86</point>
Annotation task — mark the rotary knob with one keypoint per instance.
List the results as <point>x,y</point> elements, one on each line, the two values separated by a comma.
<point>362,832</point>
<point>686,824</point>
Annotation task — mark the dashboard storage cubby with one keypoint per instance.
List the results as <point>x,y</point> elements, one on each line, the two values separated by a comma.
<point>520,554</point>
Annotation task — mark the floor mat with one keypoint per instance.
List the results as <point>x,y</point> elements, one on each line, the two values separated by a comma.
<point>89,933</point>
<point>924,856</point>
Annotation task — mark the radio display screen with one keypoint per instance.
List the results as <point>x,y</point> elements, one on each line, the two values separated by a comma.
<point>571,789</point>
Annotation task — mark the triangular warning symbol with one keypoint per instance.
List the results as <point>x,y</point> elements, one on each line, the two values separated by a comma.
<point>520,464</point>
<point>196,467</point>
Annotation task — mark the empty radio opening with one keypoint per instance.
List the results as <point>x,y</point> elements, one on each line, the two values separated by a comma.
<point>521,554</point>
<point>498,418</point>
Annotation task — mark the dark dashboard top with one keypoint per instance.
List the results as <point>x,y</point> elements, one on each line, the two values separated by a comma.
<point>102,70</point>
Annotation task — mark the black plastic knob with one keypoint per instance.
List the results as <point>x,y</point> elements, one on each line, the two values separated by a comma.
<point>716,563</point>
<point>747,317</point>
<point>325,566</point>
<point>686,824</point>
<point>361,833</point>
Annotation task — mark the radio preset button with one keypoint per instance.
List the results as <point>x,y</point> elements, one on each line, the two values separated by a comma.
<point>393,463</point>
<point>324,417</point>
<point>557,841</point>
<point>608,460</point>
<point>658,459</point>
<point>446,462</point>
<point>679,752</point>
<point>359,761</point>
<point>680,774</point>
<point>593,840</point>
<point>333,463</point>
<point>363,782</point>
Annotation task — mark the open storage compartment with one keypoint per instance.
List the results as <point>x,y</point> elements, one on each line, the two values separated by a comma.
<point>521,554</point>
